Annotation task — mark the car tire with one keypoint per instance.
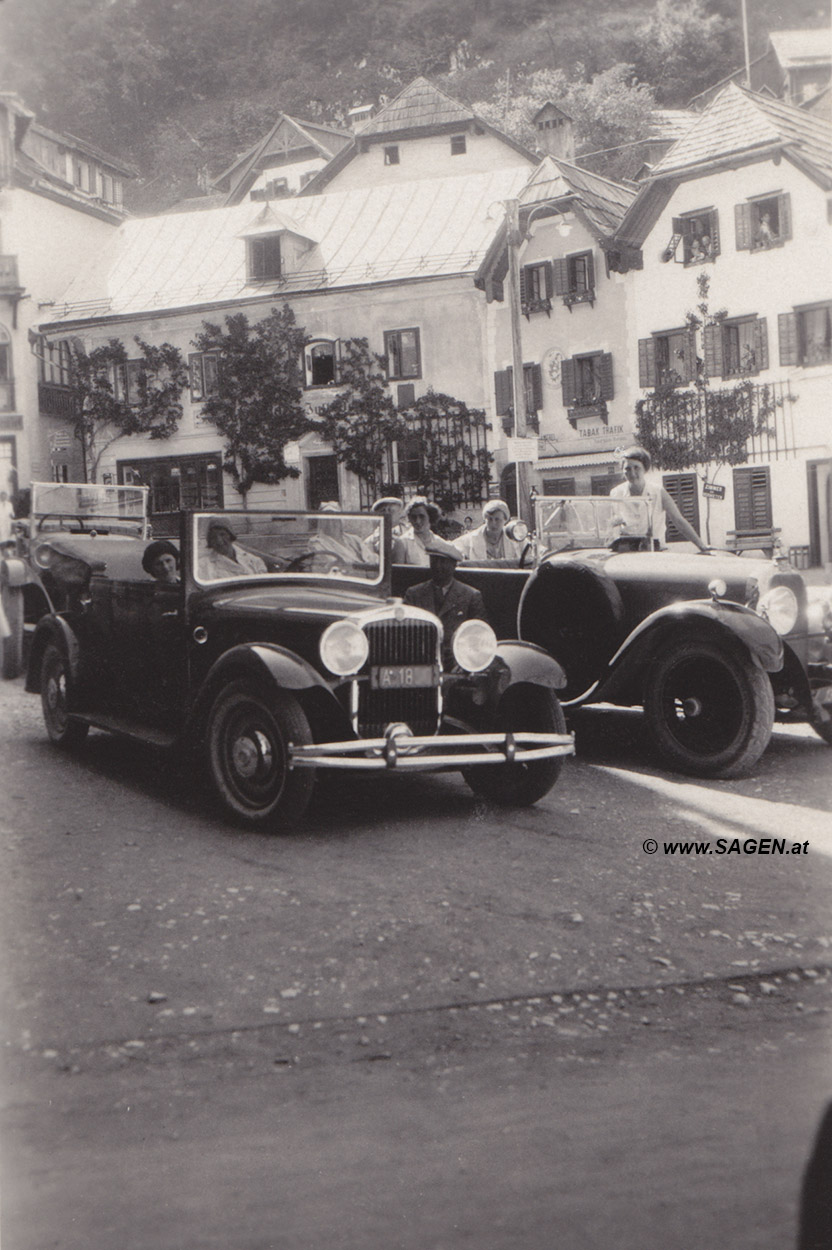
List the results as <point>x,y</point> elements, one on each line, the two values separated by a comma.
<point>64,730</point>
<point>12,644</point>
<point>709,711</point>
<point>535,709</point>
<point>247,744</point>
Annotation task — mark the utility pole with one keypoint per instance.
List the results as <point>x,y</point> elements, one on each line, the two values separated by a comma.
<point>518,385</point>
<point>745,42</point>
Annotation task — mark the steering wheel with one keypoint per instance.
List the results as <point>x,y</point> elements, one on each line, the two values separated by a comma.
<point>57,517</point>
<point>308,558</point>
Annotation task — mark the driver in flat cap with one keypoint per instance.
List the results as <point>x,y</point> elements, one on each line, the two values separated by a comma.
<point>452,601</point>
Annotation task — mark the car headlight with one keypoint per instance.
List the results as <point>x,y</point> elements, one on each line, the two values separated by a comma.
<point>43,556</point>
<point>780,608</point>
<point>344,648</point>
<point>474,646</point>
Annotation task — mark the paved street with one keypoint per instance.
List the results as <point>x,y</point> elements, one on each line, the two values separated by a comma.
<point>416,1022</point>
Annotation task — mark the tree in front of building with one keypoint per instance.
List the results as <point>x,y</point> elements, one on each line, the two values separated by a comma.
<point>435,445</point>
<point>115,395</point>
<point>256,400</point>
<point>698,426</point>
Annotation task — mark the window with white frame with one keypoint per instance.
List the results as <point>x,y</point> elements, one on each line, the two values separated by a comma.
<point>587,380</point>
<point>574,278</point>
<point>806,335</point>
<point>667,358</point>
<point>402,349</point>
<point>203,369</point>
<point>695,237</point>
<point>736,347</point>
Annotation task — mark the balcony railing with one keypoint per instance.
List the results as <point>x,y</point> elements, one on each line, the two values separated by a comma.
<point>55,401</point>
<point>8,274</point>
<point>715,416</point>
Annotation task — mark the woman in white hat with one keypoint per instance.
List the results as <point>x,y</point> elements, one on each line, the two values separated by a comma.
<point>490,541</point>
<point>410,549</point>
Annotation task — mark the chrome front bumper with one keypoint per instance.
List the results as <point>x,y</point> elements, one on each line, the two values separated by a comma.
<point>415,754</point>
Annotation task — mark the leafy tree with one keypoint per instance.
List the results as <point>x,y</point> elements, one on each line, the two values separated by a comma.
<point>611,111</point>
<point>451,438</point>
<point>257,401</point>
<point>112,402</point>
<point>361,423</point>
<point>702,428</point>
<point>684,47</point>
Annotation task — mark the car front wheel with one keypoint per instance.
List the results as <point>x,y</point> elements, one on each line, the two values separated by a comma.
<point>64,730</point>
<point>247,740</point>
<point>709,712</point>
<point>535,709</point>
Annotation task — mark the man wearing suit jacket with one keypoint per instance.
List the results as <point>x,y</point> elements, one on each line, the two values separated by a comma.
<point>452,601</point>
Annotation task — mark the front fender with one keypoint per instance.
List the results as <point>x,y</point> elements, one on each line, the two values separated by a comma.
<point>52,629</point>
<point>530,663</point>
<point>735,626</point>
<point>266,664</point>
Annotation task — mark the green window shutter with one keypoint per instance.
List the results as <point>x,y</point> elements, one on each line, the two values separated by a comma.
<point>683,489</point>
<point>690,356</point>
<point>502,392</point>
<point>195,372</point>
<point>534,388</point>
<point>405,395</point>
<point>568,381</point>
<point>714,227</point>
<point>761,344</point>
<point>547,268</point>
<point>560,276</point>
<point>742,224</point>
<point>647,362</point>
<point>714,361</point>
<point>590,272</point>
<point>605,373</point>
<point>784,211</point>
<point>787,334</point>
<point>752,499</point>
<point>524,286</point>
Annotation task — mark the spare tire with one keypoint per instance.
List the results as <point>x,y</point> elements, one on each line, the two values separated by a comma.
<point>575,613</point>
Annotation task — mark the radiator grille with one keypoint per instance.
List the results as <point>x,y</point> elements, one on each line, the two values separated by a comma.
<point>399,642</point>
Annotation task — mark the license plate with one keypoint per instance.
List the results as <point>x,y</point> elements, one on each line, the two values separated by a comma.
<point>402,676</point>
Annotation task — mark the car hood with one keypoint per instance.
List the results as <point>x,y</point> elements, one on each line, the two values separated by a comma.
<point>292,600</point>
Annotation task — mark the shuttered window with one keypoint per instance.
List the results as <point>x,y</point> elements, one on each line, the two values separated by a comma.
<point>202,370</point>
<point>752,499</point>
<point>699,236</point>
<point>668,358</point>
<point>763,222</point>
<point>504,393</point>
<point>574,277</point>
<point>805,335</point>
<point>683,489</point>
<point>587,380</point>
<point>536,288</point>
<point>558,486</point>
<point>264,258</point>
<point>736,348</point>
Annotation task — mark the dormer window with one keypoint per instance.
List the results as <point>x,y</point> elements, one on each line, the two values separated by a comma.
<point>763,222</point>
<point>264,258</point>
<point>457,145</point>
<point>695,238</point>
<point>391,155</point>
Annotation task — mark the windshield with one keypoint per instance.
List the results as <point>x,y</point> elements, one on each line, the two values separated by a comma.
<point>589,521</point>
<point>81,508</point>
<point>339,545</point>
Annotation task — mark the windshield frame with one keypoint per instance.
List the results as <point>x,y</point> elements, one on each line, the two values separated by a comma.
<point>589,522</point>
<point>255,533</point>
<point>97,506</point>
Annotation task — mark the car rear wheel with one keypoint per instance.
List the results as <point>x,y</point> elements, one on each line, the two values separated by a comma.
<point>708,711</point>
<point>248,737</point>
<point>535,709</point>
<point>64,730</point>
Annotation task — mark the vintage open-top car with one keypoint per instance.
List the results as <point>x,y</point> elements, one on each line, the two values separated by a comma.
<point>279,652</point>
<point>89,511</point>
<point>713,645</point>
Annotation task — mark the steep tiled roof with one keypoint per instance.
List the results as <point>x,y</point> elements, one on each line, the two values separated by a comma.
<point>601,201</point>
<point>796,48</point>
<point>406,230</point>
<point>418,106</point>
<point>739,122</point>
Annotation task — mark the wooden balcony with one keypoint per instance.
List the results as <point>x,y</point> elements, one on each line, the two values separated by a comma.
<point>55,401</point>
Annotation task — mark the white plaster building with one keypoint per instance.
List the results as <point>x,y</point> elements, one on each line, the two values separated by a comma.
<point>744,197</point>
<point>60,200</point>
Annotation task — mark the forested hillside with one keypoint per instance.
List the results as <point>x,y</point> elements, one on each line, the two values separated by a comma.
<point>179,87</point>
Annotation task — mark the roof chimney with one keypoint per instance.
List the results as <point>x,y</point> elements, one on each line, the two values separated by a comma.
<point>555,132</point>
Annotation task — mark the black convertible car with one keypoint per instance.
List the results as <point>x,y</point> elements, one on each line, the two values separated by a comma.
<point>714,646</point>
<point>279,652</point>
